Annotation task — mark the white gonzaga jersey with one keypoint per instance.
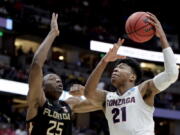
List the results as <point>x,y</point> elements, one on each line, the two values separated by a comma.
<point>128,114</point>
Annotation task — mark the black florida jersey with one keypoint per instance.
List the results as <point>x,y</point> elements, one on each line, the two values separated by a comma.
<point>51,120</point>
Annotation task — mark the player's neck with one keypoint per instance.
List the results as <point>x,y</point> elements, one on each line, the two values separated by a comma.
<point>123,88</point>
<point>54,102</point>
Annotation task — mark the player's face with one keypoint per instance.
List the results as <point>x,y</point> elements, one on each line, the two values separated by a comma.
<point>121,74</point>
<point>53,86</point>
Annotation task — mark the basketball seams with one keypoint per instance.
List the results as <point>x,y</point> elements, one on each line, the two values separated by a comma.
<point>134,33</point>
<point>146,25</point>
<point>134,30</point>
<point>140,34</point>
<point>137,22</point>
<point>138,29</point>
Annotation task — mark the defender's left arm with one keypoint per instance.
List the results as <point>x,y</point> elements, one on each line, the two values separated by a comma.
<point>79,105</point>
<point>163,80</point>
<point>82,106</point>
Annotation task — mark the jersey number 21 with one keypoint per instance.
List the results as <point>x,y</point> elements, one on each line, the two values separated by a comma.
<point>116,113</point>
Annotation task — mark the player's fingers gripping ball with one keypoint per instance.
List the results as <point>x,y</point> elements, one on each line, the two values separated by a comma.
<point>138,28</point>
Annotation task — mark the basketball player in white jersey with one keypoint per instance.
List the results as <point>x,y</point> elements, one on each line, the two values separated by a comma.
<point>129,110</point>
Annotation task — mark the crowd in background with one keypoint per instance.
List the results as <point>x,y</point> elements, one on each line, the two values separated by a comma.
<point>12,119</point>
<point>80,21</point>
<point>76,74</point>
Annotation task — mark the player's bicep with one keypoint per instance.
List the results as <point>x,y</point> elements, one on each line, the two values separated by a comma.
<point>35,93</point>
<point>35,76</point>
<point>36,96</point>
<point>148,88</point>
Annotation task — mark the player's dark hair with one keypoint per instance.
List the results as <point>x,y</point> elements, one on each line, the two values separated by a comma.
<point>135,66</point>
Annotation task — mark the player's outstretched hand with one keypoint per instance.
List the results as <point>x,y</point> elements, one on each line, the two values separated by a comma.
<point>112,55</point>
<point>77,90</point>
<point>54,24</point>
<point>155,22</point>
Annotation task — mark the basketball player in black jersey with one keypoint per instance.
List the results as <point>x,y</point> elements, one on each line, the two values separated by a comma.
<point>46,115</point>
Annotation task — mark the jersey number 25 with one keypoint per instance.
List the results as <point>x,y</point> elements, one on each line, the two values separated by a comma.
<point>55,125</point>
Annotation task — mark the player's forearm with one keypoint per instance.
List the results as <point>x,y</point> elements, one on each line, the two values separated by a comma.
<point>42,52</point>
<point>86,109</point>
<point>94,79</point>
<point>170,63</point>
<point>164,42</point>
<point>169,57</point>
<point>171,72</point>
<point>85,106</point>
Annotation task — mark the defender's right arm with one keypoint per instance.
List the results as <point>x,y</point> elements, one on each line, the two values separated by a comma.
<point>36,96</point>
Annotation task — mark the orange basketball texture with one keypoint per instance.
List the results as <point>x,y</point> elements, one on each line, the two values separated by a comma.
<point>138,28</point>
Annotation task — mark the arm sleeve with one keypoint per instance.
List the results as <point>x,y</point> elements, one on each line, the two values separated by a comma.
<point>163,80</point>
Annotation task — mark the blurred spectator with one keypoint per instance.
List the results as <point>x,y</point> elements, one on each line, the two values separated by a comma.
<point>21,59</point>
<point>21,130</point>
<point>5,129</point>
<point>29,56</point>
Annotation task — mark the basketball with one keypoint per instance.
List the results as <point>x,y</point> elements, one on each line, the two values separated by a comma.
<point>138,28</point>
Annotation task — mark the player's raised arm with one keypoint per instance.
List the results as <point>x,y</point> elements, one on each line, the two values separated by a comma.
<point>163,80</point>
<point>36,95</point>
<point>98,96</point>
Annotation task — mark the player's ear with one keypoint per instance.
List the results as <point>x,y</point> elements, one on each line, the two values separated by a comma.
<point>133,77</point>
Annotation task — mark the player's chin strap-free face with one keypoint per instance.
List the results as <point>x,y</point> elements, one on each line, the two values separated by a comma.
<point>171,72</point>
